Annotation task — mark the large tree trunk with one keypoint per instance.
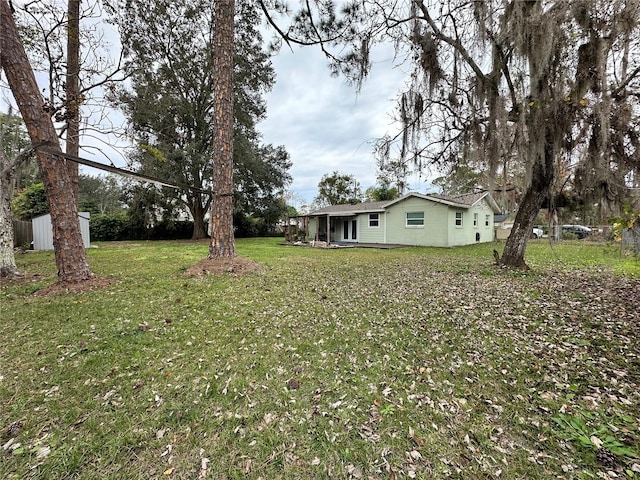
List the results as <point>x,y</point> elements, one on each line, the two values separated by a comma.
<point>8,268</point>
<point>197,212</point>
<point>71,259</point>
<point>73,91</point>
<point>515,247</point>
<point>541,179</point>
<point>222,238</point>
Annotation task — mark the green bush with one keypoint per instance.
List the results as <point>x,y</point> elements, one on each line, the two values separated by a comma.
<point>116,227</point>
<point>172,230</point>
<point>109,227</point>
<point>246,226</point>
<point>30,202</point>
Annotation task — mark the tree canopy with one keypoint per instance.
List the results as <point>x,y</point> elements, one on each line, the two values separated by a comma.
<point>337,189</point>
<point>380,192</point>
<point>170,107</point>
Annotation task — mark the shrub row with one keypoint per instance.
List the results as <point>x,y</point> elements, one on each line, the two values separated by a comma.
<point>119,227</point>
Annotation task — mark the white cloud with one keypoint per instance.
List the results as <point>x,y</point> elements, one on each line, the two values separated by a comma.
<point>325,124</point>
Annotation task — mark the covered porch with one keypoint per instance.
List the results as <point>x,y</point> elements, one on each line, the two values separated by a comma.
<point>328,228</point>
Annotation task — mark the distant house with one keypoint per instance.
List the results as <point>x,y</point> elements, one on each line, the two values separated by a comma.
<point>43,232</point>
<point>414,219</point>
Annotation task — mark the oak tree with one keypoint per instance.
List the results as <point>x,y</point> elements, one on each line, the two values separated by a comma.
<point>170,105</point>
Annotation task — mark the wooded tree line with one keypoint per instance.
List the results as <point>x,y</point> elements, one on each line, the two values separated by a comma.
<point>547,87</point>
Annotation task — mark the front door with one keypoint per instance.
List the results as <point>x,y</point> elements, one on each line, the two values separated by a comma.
<point>349,230</point>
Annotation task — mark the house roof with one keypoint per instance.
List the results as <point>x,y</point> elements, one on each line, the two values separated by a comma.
<point>461,201</point>
<point>351,209</point>
<point>464,199</point>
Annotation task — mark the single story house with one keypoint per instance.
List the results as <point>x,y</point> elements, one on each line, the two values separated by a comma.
<point>413,219</point>
<point>43,231</point>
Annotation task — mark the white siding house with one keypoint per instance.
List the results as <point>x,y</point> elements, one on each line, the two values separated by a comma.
<point>413,219</point>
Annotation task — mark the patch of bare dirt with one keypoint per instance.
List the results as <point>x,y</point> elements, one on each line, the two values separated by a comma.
<point>216,266</point>
<point>94,283</point>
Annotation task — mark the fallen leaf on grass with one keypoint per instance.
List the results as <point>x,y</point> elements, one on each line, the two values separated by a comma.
<point>596,441</point>
<point>12,445</point>
<point>204,465</point>
<point>43,452</point>
<point>354,471</point>
<point>414,455</point>
<point>412,436</point>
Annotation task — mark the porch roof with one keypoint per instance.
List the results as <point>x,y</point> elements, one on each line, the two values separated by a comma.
<point>350,210</point>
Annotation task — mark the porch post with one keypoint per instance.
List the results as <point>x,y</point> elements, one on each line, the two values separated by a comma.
<point>328,229</point>
<point>316,235</point>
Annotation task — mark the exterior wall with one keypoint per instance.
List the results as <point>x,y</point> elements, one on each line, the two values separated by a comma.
<point>367,234</point>
<point>466,235</point>
<point>336,231</point>
<point>485,228</point>
<point>439,227</point>
<point>43,232</point>
<point>432,233</point>
<point>460,235</point>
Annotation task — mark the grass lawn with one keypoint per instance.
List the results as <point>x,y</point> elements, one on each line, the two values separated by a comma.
<point>351,363</point>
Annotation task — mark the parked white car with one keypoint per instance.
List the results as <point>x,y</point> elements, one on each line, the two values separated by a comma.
<point>535,233</point>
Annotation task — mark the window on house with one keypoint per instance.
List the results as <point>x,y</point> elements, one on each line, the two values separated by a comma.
<point>458,219</point>
<point>475,220</point>
<point>374,220</point>
<point>415,219</point>
<point>486,220</point>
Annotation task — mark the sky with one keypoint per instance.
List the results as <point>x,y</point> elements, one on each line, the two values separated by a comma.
<point>325,124</point>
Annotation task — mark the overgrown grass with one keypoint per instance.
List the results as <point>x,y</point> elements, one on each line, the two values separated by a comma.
<point>351,363</point>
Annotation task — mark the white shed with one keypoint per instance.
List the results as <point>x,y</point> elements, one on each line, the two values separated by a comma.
<point>43,233</point>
